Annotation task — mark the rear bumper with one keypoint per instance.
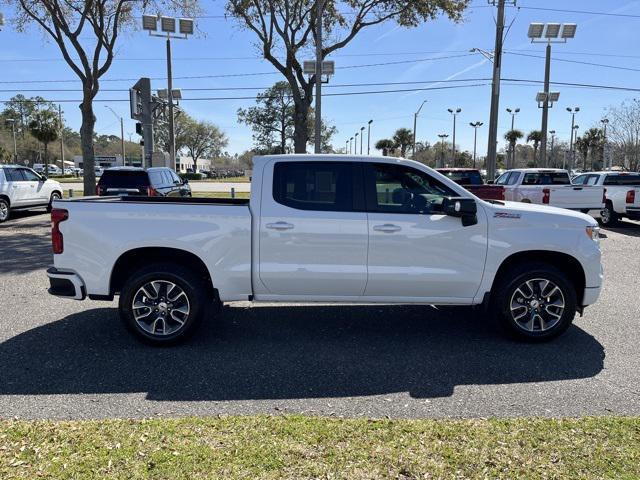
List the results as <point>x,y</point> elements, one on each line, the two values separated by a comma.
<point>66,284</point>
<point>633,212</point>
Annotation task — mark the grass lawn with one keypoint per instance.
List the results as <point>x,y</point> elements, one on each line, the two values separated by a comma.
<point>306,447</point>
<point>216,180</point>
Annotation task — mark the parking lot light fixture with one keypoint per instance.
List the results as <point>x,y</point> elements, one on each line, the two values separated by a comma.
<point>475,126</point>
<point>415,127</point>
<point>573,112</point>
<point>455,113</point>
<point>443,137</point>
<point>369,137</point>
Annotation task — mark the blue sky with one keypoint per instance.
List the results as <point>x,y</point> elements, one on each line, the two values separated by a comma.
<point>222,48</point>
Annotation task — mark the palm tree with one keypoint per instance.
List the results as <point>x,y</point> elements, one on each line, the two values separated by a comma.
<point>403,138</point>
<point>45,127</point>
<point>387,146</point>
<point>535,136</point>
<point>582,146</point>
<point>595,139</point>
<point>512,136</point>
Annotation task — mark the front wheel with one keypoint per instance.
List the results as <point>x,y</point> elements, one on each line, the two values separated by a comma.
<point>54,196</point>
<point>163,303</point>
<point>535,302</point>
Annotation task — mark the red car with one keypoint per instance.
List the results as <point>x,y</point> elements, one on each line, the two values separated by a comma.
<point>471,179</point>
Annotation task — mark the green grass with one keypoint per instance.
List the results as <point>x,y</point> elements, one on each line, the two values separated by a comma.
<point>303,447</point>
<point>216,180</point>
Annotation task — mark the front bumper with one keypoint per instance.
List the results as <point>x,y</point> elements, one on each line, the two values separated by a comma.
<point>591,296</point>
<point>66,284</point>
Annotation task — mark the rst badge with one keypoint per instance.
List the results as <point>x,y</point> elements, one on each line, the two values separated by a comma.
<point>506,215</point>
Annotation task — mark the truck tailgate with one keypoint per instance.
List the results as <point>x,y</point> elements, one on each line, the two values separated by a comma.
<point>98,231</point>
<point>576,197</point>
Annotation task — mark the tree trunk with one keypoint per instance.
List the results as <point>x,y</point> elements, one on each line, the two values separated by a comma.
<point>46,160</point>
<point>86,140</point>
<point>301,128</point>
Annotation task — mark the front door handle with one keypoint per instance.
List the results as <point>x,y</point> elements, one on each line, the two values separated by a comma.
<point>387,228</point>
<point>280,226</point>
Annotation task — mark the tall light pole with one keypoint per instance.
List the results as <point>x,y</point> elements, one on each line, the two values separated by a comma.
<point>355,144</point>
<point>553,138</point>
<point>443,137</point>
<point>350,142</point>
<point>346,147</point>
<point>605,149</point>
<point>415,127</point>
<point>475,126</point>
<point>455,113</point>
<point>12,121</point>
<point>168,27</point>
<point>369,138</point>
<point>124,153</point>
<point>513,112</point>
<point>361,137</point>
<point>549,33</point>
<point>573,112</point>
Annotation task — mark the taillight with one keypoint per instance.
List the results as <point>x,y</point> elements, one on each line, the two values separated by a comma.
<point>502,197</point>
<point>58,215</point>
<point>151,192</point>
<point>98,190</point>
<point>546,196</point>
<point>631,196</point>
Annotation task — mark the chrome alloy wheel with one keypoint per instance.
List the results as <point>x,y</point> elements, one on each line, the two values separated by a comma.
<point>537,305</point>
<point>160,308</point>
<point>4,211</point>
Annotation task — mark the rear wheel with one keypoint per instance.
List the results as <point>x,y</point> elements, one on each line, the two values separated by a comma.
<point>535,302</point>
<point>5,210</point>
<point>163,303</point>
<point>54,196</point>
<point>608,216</point>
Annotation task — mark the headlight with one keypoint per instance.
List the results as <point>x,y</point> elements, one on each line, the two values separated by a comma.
<point>593,233</point>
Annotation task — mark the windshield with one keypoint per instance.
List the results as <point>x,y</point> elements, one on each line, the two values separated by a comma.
<point>546,178</point>
<point>123,179</point>
<point>471,177</point>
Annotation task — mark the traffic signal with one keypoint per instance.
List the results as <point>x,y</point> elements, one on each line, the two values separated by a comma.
<point>139,128</point>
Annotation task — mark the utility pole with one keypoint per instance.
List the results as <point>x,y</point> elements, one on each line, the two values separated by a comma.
<point>318,125</point>
<point>415,127</point>
<point>495,93</point>
<point>369,138</point>
<point>124,153</point>
<point>61,136</point>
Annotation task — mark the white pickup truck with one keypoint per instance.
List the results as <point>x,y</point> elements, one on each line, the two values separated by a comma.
<point>622,192</point>
<point>327,228</point>
<point>549,186</point>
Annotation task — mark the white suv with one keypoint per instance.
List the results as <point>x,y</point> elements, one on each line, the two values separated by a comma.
<point>22,188</point>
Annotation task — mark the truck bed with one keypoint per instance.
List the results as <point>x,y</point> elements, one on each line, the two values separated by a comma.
<point>165,200</point>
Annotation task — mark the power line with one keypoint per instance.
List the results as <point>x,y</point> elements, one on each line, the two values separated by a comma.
<point>579,62</point>
<point>583,12</point>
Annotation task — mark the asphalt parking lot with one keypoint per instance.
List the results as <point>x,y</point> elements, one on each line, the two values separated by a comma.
<point>67,359</point>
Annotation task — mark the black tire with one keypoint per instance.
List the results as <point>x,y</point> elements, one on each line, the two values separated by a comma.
<point>195,291</point>
<point>5,210</point>
<point>608,216</point>
<point>539,312</point>
<point>54,196</point>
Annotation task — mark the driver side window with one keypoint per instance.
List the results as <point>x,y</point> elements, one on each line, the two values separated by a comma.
<point>400,189</point>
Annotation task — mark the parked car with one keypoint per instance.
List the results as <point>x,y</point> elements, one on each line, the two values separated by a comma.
<point>152,182</point>
<point>22,188</point>
<point>471,179</point>
<point>548,186</point>
<point>327,228</point>
<point>622,192</point>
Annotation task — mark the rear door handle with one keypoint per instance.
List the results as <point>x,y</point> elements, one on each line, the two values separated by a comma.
<point>280,226</point>
<point>387,228</point>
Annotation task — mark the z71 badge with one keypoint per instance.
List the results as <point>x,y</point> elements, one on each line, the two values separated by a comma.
<point>506,215</point>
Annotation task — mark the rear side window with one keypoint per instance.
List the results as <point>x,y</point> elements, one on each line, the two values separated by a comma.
<point>325,186</point>
<point>124,178</point>
<point>155,178</point>
<point>13,175</point>
<point>628,180</point>
<point>546,178</point>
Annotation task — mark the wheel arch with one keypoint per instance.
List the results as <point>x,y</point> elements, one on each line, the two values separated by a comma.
<point>5,197</point>
<point>562,261</point>
<point>134,259</point>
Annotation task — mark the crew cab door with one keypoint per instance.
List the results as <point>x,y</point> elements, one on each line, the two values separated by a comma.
<point>415,251</point>
<point>313,229</point>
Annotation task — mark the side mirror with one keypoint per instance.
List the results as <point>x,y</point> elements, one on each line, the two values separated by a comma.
<point>490,182</point>
<point>43,177</point>
<point>185,181</point>
<point>461,207</point>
